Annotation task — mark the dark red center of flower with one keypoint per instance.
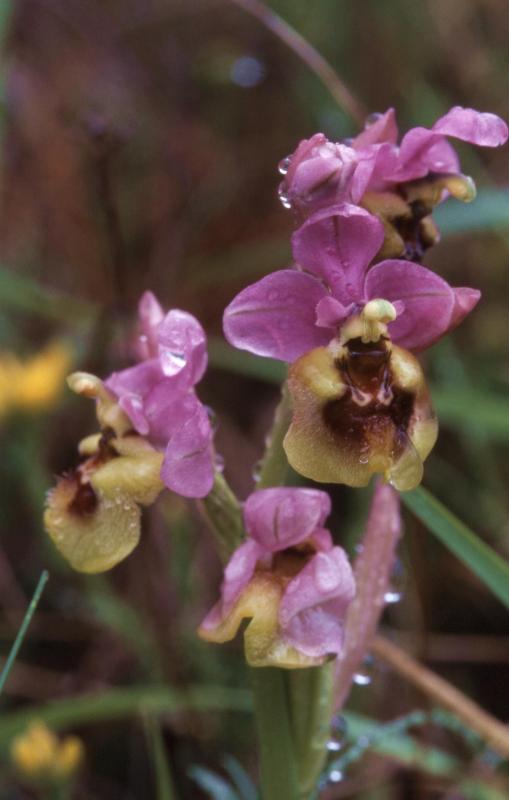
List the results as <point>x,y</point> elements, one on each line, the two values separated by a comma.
<point>373,406</point>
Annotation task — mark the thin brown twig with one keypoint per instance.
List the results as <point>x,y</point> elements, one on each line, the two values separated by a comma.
<point>495,733</point>
<point>309,55</point>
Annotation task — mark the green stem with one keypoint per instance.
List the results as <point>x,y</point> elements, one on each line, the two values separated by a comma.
<point>224,514</point>
<point>277,756</point>
<point>274,467</point>
<point>311,711</point>
<point>292,709</point>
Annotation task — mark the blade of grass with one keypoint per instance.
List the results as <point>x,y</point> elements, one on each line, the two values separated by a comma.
<point>214,786</point>
<point>240,778</point>
<point>484,562</point>
<point>23,629</point>
<point>165,788</point>
<point>115,704</point>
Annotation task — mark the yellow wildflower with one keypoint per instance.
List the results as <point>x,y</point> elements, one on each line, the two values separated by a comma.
<point>34,384</point>
<point>40,756</point>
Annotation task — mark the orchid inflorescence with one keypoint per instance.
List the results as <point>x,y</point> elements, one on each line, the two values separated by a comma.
<point>349,316</point>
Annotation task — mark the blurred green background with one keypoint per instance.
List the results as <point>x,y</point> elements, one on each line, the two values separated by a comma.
<point>140,147</point>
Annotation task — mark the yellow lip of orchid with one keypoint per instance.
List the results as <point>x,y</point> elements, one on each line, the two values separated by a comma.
<point>360,407</point>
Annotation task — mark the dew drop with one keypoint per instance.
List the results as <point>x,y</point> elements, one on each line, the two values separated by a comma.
<point>172,361</point>
<point>283,197</point>
<point>219,462</point>
<point>391,596</point>
<point>348,142</point>
<point>284,165</point>
<point>335,776</point>
<point>362,679</point>
<point>334,745</point>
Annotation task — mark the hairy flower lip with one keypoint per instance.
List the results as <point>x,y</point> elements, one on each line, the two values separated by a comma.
<point>359,411</point>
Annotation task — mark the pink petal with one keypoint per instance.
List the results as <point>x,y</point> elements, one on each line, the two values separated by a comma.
<point>330,313</point>
<point>465,300</point>
<point>484,129</point>
<point>150,315</point>
<point>131,387</point>
<point>276,316</point>
<point>383,129</point>
<point>188,467</point>
<point>280,518</point>
<point>423,151</point>
<point>237,574</point>
<point>337,244</point>
<point>182,347</point>
<point>428,301</point>
<point>314,605</point>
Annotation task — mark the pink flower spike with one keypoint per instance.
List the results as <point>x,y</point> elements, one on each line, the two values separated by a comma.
<point>280,518</point>
<point>314,605</point>
<point>275,317</point>
<point>480,128</point>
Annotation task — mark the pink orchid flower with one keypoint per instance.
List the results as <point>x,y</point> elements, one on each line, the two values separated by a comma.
<point>290,312</point>
<point>159,398</point>
<point>288,578</point>
<point>321,173</point>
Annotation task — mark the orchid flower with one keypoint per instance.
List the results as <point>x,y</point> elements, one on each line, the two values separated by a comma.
<point>360,402</point>
<point>154,433</point>
<point>399,183</point>
<point>288,579</point>
<point>159,398</point>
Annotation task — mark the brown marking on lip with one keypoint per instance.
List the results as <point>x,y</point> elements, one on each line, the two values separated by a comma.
<point>85,502</point>
<point>388,411</point>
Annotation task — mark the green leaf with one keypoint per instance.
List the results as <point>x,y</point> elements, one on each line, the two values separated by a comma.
<point>489,211</point>
<point>215,786</point>
<point>165,789</point>
<point>222,356</point>
<point>466,545</point>
<point>116,704</point>
<point>465,409</point>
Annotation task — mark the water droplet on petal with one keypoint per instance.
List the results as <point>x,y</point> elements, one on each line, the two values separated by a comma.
<point>391,596</point>
<point>362,679</point>
<point>335,776</point>
<point>284,165</point>
<point>172,362</point>
<point>283,197</point>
